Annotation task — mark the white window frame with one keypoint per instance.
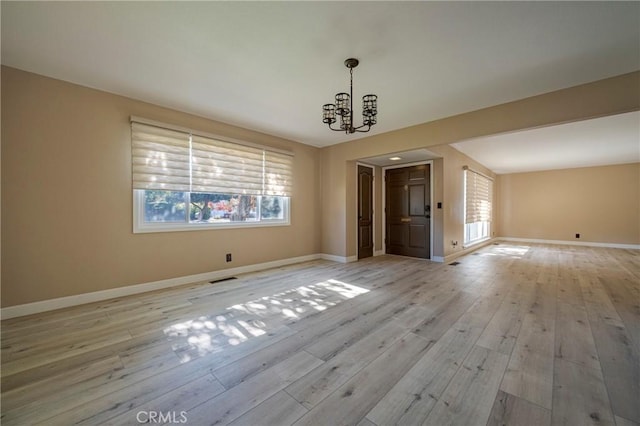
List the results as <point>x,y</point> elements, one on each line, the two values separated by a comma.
<point>141,226</point>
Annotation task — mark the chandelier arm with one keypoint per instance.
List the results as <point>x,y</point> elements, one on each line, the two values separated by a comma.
<point>357,129</point>
<point>335,130</point>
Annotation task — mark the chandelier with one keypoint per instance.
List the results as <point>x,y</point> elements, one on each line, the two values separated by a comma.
<point>344,107</point>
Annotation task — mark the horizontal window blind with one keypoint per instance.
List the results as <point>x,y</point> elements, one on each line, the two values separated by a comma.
<point>160,158</point>
<point>224,167</point>
<point>277,173</point>
<point>479,196</point>
<point>180,161</point>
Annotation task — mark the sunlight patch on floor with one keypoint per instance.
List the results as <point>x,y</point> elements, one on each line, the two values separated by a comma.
<point>210,334</point>
<point>515,252</point>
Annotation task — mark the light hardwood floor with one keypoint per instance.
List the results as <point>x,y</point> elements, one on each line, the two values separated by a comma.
<point>512,335</point>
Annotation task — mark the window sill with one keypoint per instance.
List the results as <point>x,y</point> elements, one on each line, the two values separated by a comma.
<point>179,227</point>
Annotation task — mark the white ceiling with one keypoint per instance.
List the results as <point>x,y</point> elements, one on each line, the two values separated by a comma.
<point>399,158</point>
<point>597,142</point>
<point>269,66</point>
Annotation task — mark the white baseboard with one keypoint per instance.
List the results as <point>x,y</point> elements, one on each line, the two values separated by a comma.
<point>469,249</point>
<point>339,259</point>
<point>570,243</point>
<point>97,296</point>
<point>378,253</point>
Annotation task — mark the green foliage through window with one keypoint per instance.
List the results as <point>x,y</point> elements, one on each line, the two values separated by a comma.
<point>191,207</point>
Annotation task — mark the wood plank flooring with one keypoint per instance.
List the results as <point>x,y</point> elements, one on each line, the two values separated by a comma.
<point>514,334</point>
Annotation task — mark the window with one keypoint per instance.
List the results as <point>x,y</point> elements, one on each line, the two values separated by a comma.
<point>478,196</point>
<point>188,181</point>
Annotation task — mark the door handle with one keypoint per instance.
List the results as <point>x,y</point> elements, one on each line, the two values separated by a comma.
<point>405,219</point>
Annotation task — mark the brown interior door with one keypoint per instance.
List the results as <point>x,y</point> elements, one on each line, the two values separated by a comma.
<point>408,211</point>
<point>365,212</point>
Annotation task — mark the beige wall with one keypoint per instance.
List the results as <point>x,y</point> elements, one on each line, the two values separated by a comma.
<point>602,204</point>
<point>452,212</point>
<point>66,186</point>
<point>67,199</point>
<point>606,97</point>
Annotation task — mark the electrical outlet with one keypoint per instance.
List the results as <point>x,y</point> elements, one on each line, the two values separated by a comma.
<point>577,235</point>
<point>228,257</point>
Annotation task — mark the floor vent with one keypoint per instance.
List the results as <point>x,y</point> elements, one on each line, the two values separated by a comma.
<point>222,279</point>
<point>454,263</point>
<point>475,254</point>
